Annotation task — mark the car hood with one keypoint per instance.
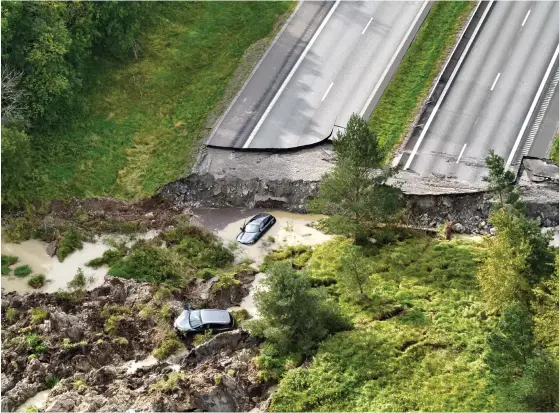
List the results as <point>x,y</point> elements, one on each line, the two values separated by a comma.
<point>246,237</point>
<point>182,322</point>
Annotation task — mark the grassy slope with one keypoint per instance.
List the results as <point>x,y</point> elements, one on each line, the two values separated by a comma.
<point>426,358</point>
<point>421,64</point>
<point>554,155</point>
<point>146,117</point>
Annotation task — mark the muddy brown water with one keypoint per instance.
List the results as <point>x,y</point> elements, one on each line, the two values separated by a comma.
<point>289,229</point>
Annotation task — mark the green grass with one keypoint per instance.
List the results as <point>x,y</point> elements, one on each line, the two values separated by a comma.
<point>37,281</point>
<point>7,261</point>
<point>410,85</point>
<point>22,271</point>
<point>554,156</point>
<point>146,117</point>
<point>418,339</point>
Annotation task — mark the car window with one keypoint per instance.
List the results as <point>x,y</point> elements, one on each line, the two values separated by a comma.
<point>252,228</point>
<point>195,319</point>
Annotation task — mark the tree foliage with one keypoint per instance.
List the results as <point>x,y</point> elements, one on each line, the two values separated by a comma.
<point>501,180</point>
<point>17,174</point>
<point>50,44</point>
<point>294,317</point>
<point>355,194</point>
<point>517,258</point>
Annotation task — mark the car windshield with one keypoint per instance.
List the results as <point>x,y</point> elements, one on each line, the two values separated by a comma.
<point>195,319</point>
<point>252,228</point>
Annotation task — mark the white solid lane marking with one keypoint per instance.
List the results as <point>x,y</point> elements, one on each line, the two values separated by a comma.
<point>461,153</point>
<point>328,90</point>
<point>532,107</point>
<point>400,46</point>
<point>526,18</point>
<point>286,81</point>
<point>495,81</point>
<point>367,26</point>
<point>448,84</point>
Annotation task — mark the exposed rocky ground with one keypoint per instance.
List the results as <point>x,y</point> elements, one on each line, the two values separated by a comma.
<point>85,339</point>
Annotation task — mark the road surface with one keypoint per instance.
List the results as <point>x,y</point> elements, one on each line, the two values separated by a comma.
<point>332,60</point>
<point>492,94</point>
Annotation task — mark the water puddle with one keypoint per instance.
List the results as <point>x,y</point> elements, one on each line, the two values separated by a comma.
<point>58,274</point>
<point>290,229</point>
<point>37,401</point>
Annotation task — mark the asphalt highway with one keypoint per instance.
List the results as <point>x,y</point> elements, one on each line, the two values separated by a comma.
<point>332,60</point>
<point>492,95</point>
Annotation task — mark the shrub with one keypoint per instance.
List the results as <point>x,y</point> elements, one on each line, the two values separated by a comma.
<point>297,255</point>
<point>206,273</point>
<point>170,383</point>
<point>51,381</point>
<point>37,281</point>
<point>166,313</point>
<point>240,315</point>
<point>79,281</point>
<point>271,239</point>
<point>168,346</point>
<point>8,260</point>
<point>23,271</point>
<point>147,263</point>
<point>38,315</point>
<point>35,344</point>
<point>31,409</point>
<point>71,240</point>
<point>70,296</point>
<point>110,257</point>
<point>121,341</point>
<point>226,281</point>
<point>10,314</point>
<point>202,338</point>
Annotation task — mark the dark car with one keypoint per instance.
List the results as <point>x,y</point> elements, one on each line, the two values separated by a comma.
<point>198,321</point>
<point>255,228</point>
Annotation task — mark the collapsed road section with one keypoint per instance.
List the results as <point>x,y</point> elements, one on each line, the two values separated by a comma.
<point>332,59</point>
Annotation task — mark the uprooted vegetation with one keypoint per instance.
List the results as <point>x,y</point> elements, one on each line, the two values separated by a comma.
<point>175,257</point>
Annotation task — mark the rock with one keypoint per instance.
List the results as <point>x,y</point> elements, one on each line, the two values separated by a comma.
<point>447,203</point>
<point>67,324</point>
<point>458,228</point>
<point>229,339</point>
<point>52,248</point>
<point>150,215</point>
<point>492,231</point>
<point>104,375</point>
<point>63,403</point>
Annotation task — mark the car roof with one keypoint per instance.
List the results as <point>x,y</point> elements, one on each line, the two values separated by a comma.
<point>259,217</point>
<point>215,316</point>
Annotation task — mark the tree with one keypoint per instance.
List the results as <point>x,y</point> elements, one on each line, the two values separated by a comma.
<point>354,272</point>
<point>501,180</point>
<point>517,258</point>
<point>293,316</point>
<point>546,306</point>
<point>524,375</point>
<point>17,173</point>
<point>355,194</point>
<point>510,345</point>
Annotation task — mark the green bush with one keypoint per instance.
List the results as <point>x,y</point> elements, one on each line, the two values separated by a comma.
<point>6,270</point>
<point>11,314</point>
<point>170,345</point>
<point>22,271</point>
<point>51,381</point>
<point>9,260</point>
<point>170,383</point>
<point>37,281</point>
<point>202,338</point>
<point>79,281</point>
<point>71,241</point>
<point>38,315</point>
<point>149,263</point>
<point>297,255</point>
<point>240,315</point>
<point>35,344</point>
<point>109,258</point>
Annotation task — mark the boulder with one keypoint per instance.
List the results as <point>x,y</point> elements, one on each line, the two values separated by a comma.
<point>64,403</point>
<point>67,324</point>
<point>52,248</point>
<point>458,228</point>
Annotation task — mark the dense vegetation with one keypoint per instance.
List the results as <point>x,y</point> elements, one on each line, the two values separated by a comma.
<point>437,325</point>
<point>555,150</point>
<point>417,71</point>
<point>110,98</point>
